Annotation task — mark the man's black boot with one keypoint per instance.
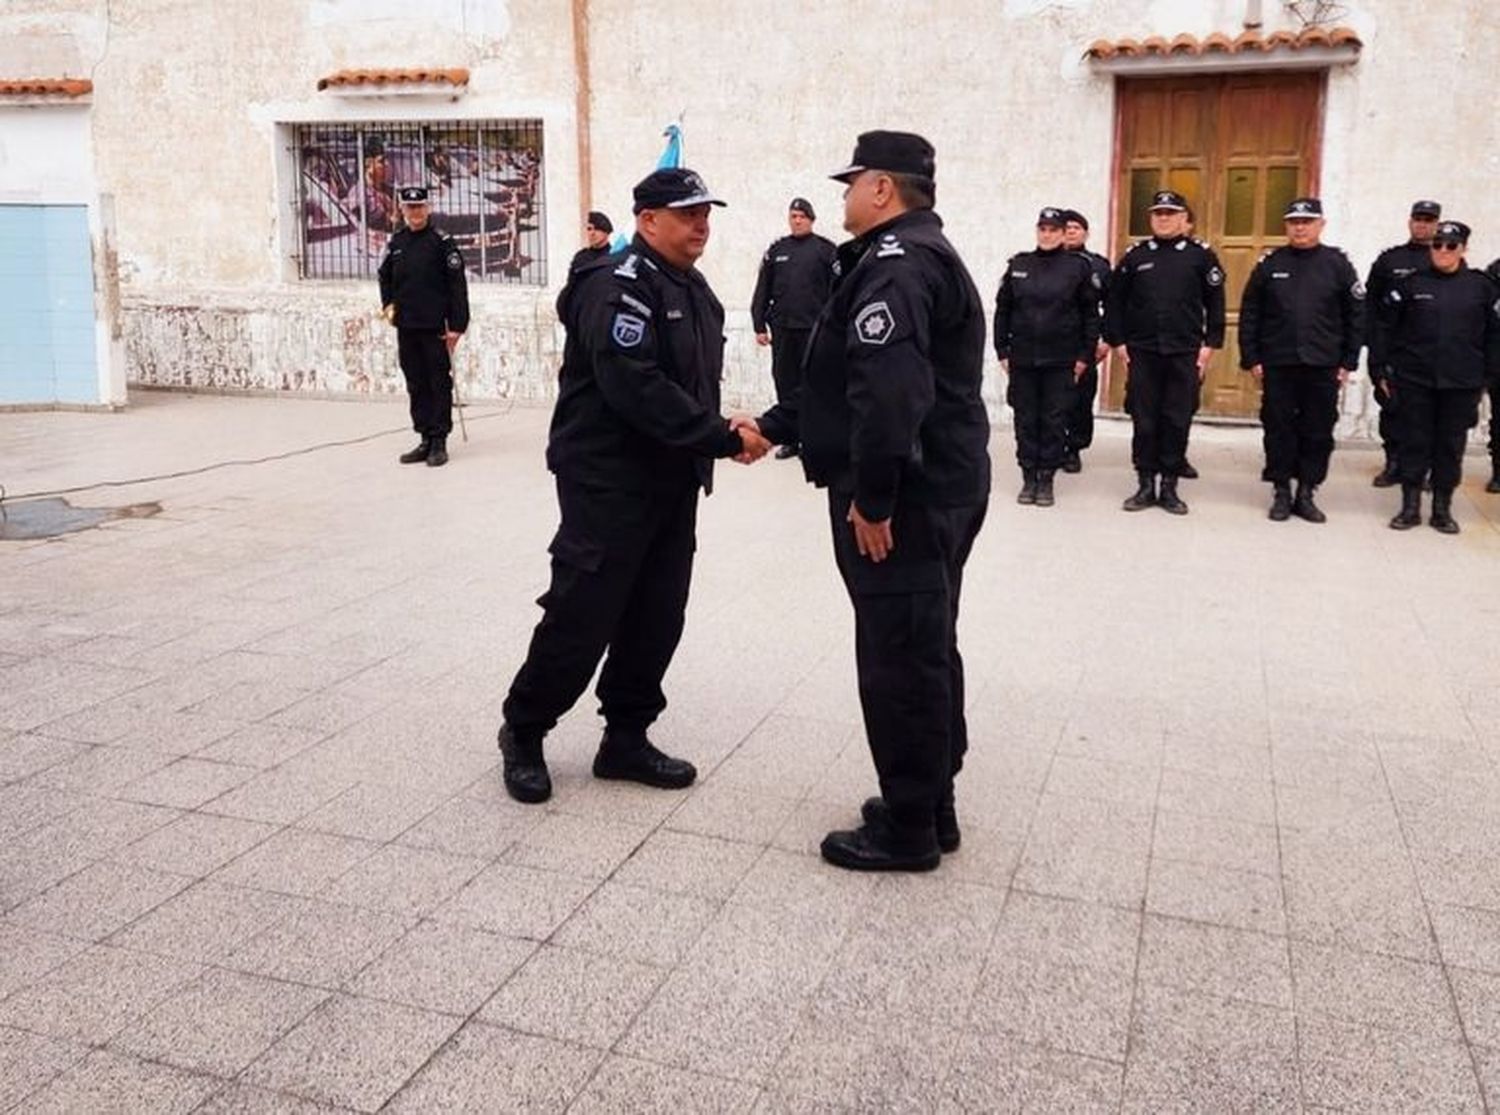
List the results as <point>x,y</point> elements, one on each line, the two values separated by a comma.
<point>1410,514</point>
<point>1494,484</point>
<point>1188,472</point>
<point>1281,503</point>
<point>628,756</point>
<point>417,454</point>
<point>945,818</point>
<point>1304,507</point>
<point>1072,462</point>
<point>883,847</point>
<point>525,772</point>
<point>1027,494</point>
<point>1442,512</point>
<point>1168,499</point>
<point>1044,494</point>
<point>1145,495</point>
<point>437,456</point>
<point>1388,476</point>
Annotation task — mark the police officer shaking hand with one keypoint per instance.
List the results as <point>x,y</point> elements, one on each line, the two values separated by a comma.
<point>425,295</point>
<point>1046,328</point>
<point>633,439</point>
<point>892,424</point>
<point>1164,315</point>
<point>1301,329</point>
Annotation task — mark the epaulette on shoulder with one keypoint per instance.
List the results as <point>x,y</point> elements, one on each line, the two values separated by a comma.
<point>889,246</point>
<point>628,267</point>
<point>1202,244</point>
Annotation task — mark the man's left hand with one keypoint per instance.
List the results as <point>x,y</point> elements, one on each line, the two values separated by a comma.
<point>873,539</point>
<point>450,339</point>
<point>1205,354</point>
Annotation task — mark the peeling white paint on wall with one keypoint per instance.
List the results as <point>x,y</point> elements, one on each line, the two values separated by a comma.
<point>486,19</point>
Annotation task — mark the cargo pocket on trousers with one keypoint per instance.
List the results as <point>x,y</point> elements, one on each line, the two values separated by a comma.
<point>574,556</point>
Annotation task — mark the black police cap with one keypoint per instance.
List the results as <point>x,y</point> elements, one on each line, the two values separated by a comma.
<point>413,195</point>
<point>895,152</point>
<point>1429,209</point>
<point>1169,200</point>
<point>600,221</point>
<point>803,206</point>
<point>1303,209</point>
<point>673,188</point>
<point>1052,215</point>
<point>1453,230</point>
<point>1070,216</point>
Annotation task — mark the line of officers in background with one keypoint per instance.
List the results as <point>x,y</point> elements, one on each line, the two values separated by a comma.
<point>1431,324</point>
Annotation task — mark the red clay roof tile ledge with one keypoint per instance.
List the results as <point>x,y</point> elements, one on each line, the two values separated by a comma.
<point>45,87</point>
<point>1220,43</point>
<point>346,79</point>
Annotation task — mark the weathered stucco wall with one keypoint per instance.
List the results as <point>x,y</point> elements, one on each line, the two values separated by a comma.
<point>771,94</point>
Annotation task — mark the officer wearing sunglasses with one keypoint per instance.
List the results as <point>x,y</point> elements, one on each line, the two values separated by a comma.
<point>1440,340</point>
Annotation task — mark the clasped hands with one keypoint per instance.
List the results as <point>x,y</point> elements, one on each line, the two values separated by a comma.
<point>755,445</point>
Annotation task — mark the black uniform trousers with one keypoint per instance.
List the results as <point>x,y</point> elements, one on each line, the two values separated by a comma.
<point>787,349</point>
<point>1389,423</point>
<point>1078,433</point>
<point>1163,396</point>
<point>911,675</point>
<point>1434,431</point>
<point>1494,390</point>
<point>621,565</point>
<point>1298,409</point>
<point>429,380</point>
<point>1040,396</point>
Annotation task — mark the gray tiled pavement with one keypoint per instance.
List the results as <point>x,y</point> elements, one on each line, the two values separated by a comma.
<point>1232,813</point>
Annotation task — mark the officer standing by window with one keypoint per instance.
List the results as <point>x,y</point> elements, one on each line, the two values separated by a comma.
<point>1389,268</point>
<point>795,275</point>
<point>596,233</point>
<point>1046,327</point>
<point>633,440</point>
<point>1301,329</point>
<point>1079,422</point>
<point>1440,329</point>
<point>892,424</point>
<point>1165,317</point>
<point>425,295</point>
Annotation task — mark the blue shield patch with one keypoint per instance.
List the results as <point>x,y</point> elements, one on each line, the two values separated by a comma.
<point>627,330</point>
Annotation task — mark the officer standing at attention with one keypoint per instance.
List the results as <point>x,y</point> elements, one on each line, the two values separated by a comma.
<point>1046,329</point>
<point>1441,332</point>
<point>1301,329</point>
<point>1165,317</point>
<point>1493,271</point>
<point>1389,268</point>
<point>425,295</point>
<point>892,424</point>
<point>1079,422</point>
<point>633,439</point>
<point>596,234</point>
<point>795,275</point>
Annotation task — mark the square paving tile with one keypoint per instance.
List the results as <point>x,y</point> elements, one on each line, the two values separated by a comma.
<point>185,784</point>
<point>261,746</point>
<point>1357,1067</point>
<point>574,996</point>
<point>29,1061</point>
<point>196,844</point>
<point>992,1072</point>
<point>352,1052</point>
<point>280,796</point>
<point>107,1081</point>
<point>466,826</point>
<point>447,968</point>
<point>650,926</point>
<point>207,922</point>
<point>26,955</point>
<point>489,1069</point>
<point>1377,990</point>
<point>588,848</point>
<point>296,862</point>
<point>407,880</point>
<point>320,943</point>
<point>1216,896</point>
<point>1217,961</point>
<point>98,900</point>
<point>625,1084</point>
<point>866,1064</point>
<point>372,812</point>
<point>687,863</point>
<point>516,901</point>
<point>95,995</point>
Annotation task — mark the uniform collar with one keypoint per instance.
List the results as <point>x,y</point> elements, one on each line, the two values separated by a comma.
<point>639,246</point>
<point>912,218</point>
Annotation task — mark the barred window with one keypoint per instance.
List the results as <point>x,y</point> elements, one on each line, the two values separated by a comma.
<point>484,179</point>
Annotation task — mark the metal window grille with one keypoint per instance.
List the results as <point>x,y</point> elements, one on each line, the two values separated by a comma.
<point>484,179</point>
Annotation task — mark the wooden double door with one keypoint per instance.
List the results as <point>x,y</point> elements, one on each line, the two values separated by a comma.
<point>1239,147</point>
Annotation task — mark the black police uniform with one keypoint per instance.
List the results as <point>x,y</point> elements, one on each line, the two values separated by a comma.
<point>1079,419</point>
<point>1440,341</point>
<point>587,255</point>
<point>422,274</point>
<point>1493,271</point>
<point>1165,302</point>
<point>891,420</point>
<point>1389,268</point>
<point>633,438</point>
<point>795,276</point>
<point>1046,322</point>
<point>1301,320</point>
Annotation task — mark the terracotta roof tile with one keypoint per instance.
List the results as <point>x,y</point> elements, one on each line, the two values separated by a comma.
<point>46,86</point>
<point>1220,43</point>
<point>348,78</point>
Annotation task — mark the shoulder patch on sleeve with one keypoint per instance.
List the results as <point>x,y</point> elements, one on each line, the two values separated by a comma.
<point>1215,276</point>
<point>1358,290</point>
<point>875,323</point>
<point>455,260</point>
<point>627,330</point>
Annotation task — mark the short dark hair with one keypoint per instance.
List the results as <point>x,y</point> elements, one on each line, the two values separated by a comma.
<point>915,191</point>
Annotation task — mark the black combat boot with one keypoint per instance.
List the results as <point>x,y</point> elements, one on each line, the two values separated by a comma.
<point>418,454</point>
<point>1387,476</point>
<point>525,771</point>
<point>437,456</point>
<point>1072,462</point>
<point>1145,495</point>
<point>1188,471</point>
<point>883,847</point>
<point>1494,484</point>
<point>945,819</point>
<point>627,755</point>
<point>1304,507</point>
<point>1442,511</point>
<point>1168,499</point>
<point>1281,502</point>
<point>1410,514</point>
<point>1027,494</point>
<point>1044,495</point>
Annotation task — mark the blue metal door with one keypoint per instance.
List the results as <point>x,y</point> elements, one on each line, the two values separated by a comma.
<point>47,335</point>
